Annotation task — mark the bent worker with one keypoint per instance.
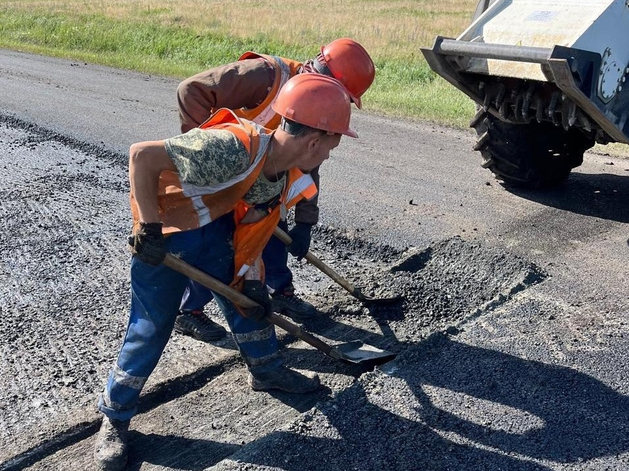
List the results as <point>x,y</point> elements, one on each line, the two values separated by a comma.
<point>213,196</point>
<point>250,86</point>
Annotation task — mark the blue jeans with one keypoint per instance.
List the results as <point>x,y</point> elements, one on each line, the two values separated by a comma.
<point>155,298</point>
<point>277,275</point>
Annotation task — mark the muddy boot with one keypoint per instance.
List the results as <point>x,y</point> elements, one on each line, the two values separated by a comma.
<point>285,302</point>
<point>284,379</point>
<point>197,325</point>
<point>110,451</point>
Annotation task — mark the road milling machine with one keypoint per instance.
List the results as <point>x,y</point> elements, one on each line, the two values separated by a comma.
<point>549,78</point>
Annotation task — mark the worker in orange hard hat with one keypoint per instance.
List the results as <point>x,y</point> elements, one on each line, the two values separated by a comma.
<point>250,86</point>
<point>198,195</point>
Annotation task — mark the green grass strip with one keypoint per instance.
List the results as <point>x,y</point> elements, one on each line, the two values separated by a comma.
<point>404,87</point>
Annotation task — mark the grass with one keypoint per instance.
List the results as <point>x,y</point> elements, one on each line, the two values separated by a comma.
<point>180,38</point>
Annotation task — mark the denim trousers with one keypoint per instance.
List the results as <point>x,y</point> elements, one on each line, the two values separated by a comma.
<point>276,272</point>
<point>156,294</point>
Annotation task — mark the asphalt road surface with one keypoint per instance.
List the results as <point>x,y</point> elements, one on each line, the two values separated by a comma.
<point>511,337</point>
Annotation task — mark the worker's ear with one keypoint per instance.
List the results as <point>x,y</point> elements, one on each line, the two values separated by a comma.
<point>314,140</point>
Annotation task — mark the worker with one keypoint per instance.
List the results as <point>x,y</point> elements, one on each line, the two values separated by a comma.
<point>250,86</point>
<point>213,197</point>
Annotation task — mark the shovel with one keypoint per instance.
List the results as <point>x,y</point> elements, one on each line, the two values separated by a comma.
<point>353,352</point>
<point>317,262</point>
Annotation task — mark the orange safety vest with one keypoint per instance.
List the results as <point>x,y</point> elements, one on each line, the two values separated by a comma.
<point>184,207</point>
<point>263,114</point>
<point>250,239</point>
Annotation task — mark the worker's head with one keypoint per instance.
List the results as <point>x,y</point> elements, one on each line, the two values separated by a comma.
<point>315,112</point>
<point>349,63</point>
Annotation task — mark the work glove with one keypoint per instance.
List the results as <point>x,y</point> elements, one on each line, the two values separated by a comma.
<point>300,234</point>
<point>148,243</point>
<point>256,291</point>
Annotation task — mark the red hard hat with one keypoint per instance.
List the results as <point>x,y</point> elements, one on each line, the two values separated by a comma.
<point>317,101</point>
<point>351,65</point>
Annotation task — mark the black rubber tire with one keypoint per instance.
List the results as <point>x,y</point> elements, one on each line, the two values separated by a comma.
<point>533,155</point>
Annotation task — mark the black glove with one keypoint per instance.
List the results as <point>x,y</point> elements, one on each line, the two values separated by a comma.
<point>256,291</point>
<point>300,234</point>
<point>148,243</point>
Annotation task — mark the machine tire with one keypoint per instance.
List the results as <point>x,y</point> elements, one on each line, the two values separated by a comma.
<point>533,155</point>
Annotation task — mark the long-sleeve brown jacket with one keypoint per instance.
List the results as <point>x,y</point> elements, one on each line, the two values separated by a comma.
<point>241,84</point>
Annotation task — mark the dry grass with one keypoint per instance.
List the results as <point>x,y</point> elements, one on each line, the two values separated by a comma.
<point>389,29</point>
<point>181,37</point>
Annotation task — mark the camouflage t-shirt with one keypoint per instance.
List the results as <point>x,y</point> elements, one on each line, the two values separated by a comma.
<point>212,157</point>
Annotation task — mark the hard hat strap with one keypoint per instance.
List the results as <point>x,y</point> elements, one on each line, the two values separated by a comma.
<point>296,129</point>
<point>291,127</point>
<point>321,67</point>
<point>308,67</point>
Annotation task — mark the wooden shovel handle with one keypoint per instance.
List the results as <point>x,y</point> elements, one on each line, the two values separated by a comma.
<point>238,298</point>
<point>307,337</point>
<point>317,262</point>
<point>208,281</point>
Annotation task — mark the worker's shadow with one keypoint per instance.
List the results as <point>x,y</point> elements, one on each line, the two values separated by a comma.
<point>563,414</point>
<point>449,405</point>
<point>175,452</point>
<point>603,196</point>
<point>335,331</point>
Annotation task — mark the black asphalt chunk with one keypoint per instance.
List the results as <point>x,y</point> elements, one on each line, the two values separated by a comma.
<point>442,285</point>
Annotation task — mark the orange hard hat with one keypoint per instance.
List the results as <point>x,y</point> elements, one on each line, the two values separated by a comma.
<point>317,101</point>
<point>351,65</point>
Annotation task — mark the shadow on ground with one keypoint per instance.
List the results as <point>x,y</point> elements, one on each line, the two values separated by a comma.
<point>599,195</point>
<point>448,405</point>
<point>178,452</point>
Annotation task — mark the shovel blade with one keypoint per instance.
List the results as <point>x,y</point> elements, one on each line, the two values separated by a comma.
<point>358,294</point>
<point>358,352</point>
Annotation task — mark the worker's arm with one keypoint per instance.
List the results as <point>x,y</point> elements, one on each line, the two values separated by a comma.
<point>307,211</point>
<point>306,216</point>
<point>147,160</point>
<point>241,84</point>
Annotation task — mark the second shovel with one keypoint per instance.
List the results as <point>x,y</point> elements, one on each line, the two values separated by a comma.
<point>317,262</point>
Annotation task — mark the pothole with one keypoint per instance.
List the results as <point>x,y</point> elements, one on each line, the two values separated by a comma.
<point>440,286</point>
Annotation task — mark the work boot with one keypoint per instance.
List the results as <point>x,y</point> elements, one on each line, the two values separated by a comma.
<point>284,379</point>
<point>198,326</point>
<point>285,302</point>
<point>110,451</point>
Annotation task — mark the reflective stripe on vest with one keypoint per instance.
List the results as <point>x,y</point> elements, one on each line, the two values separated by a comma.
<point>302,188</point>
<point>263,114</point>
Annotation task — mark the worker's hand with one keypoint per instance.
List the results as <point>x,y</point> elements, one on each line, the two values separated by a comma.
<point>300,234</point>
<point>148,243</point>
<point>256,291</point>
